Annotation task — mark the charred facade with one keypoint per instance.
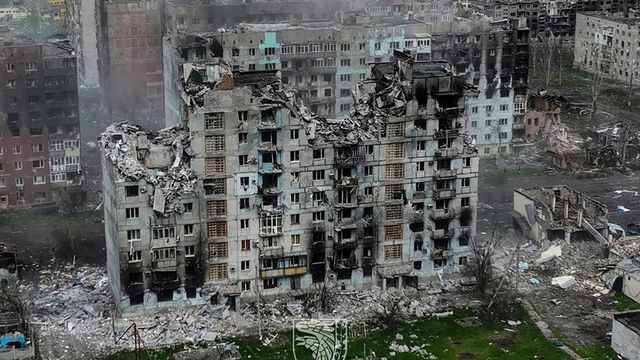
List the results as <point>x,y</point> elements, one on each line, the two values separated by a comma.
<point>40,149</point>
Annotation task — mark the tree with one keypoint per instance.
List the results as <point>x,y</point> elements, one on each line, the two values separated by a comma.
<point>481,263</point>
<point>11,300</point>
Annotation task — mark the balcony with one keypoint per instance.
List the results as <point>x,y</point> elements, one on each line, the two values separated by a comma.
<point>447,133</point>
<point>448,113</point>
<point>269,231</point>
<point>439,214</point>
<point>272,252</point>
<point>345,182</point>
<point>518,126</point>
<point>291,271</point>
<point>439,194</point>
<point>268,147</point>
<point>270,168</point>
<point>164,264</point>
<point>446,173</point>
<point>441,234</point>
<point>441,253</point>
<point>447,153</point>
<point>345,264</point>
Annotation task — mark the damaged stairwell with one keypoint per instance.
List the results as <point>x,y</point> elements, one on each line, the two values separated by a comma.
<point>160,159</point>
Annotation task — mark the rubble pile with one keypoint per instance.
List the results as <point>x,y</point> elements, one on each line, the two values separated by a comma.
<point>129,148</point>
<point>578,267</point>
<point>74,314</point>
<point>365,122</point>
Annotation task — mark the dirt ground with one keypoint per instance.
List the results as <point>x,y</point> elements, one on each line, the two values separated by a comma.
<point>580,317</point>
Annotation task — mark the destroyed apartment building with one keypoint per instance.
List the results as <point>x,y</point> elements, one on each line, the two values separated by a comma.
<point>558,212</point>
<point>284,199</point>
<point>613,145</point>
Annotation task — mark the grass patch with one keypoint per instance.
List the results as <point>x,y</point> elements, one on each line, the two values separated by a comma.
<point>623,302</point>
<point>159,354</point>
<point>500,176</point>
<point>20,219</point>
<point>443,338</point>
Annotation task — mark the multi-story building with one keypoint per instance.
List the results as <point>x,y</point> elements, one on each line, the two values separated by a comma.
<point>130,59</point>
<point>83,20</point>
<point>549,17</point>
<point>324,61</point>
<point>284,198</point>
<point>39,132</point>
<point>608,44</point>
<point>494,56</point>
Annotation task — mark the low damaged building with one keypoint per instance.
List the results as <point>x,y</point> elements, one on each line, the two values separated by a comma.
<point>558,212</point>
<point>284,199</point>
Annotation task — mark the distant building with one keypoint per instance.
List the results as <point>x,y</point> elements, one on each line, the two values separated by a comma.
<point>608,43</point>
<point>262,196</point>
<point>40,127</point>
<point>130,60</point>
<point>324,62</point>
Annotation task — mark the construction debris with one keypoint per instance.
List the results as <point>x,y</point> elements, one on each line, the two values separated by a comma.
<point>551,253</point>
<point>564,282</point>
<point>160,159</point>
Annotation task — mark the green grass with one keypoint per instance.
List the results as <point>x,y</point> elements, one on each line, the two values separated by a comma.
<point>160,354</point>
<point>500,177</point>
<point>623,302</point>
<point>443,338</point>
<point>18,219</point>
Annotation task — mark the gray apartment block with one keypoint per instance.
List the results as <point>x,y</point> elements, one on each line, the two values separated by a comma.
<point>285,199</point>
<point>323,61</point>
<point>608,43</point>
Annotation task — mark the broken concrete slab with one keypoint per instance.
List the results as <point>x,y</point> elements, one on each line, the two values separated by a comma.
<point>564,282</point>
<point>551,253</point>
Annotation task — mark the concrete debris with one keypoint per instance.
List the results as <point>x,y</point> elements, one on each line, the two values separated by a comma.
<point>551,253</point>
<point>160,159</point>
<point>75,313</point>
<point>564,282</point>
<point>417,351</point>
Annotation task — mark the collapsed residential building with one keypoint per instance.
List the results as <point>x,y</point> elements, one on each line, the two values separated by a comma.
<point>285,199</point>
<point>558,212</point>
<point>40,125</point>
<point>324,60</point>
<point>613,145</point>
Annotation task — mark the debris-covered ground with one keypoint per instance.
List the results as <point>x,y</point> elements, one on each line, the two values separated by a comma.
<point>565,283</point>
<point>73,313</point>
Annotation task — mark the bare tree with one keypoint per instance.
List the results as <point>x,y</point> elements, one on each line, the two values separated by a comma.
<point>11,300</point>
<point>481,263</point>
